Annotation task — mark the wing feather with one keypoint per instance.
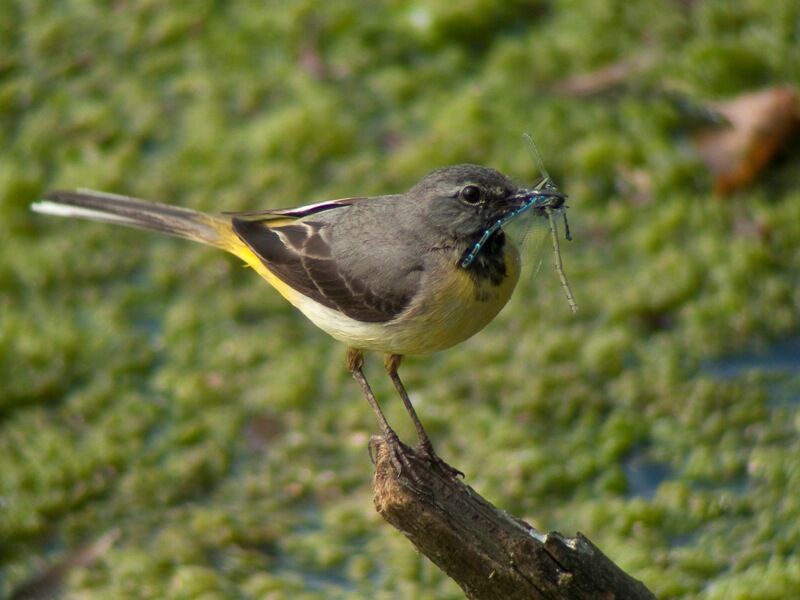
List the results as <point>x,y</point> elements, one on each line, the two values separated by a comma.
<point>300,254</point>
<point>298,212</point>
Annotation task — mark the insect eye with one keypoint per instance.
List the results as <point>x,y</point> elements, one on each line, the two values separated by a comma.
<point>471,194</point>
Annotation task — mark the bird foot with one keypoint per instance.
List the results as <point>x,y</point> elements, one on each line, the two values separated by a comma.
<point>411,466</point>
<point>425,448</point>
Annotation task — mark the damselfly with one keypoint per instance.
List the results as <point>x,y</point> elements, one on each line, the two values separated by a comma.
<point>548,184</point>
<point>543,200</point>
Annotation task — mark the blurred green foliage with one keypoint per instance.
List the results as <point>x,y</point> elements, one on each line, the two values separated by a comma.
<point>160,388</point>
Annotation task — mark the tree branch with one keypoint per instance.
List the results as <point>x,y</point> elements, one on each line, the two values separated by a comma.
<point>489,553</point>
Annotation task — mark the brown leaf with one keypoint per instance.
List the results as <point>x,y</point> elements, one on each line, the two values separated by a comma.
<point>48,583</point>
<point>760,124</point>
<point>604,79</point>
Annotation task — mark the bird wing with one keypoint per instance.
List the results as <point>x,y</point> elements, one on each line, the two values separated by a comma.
<point>298,212</point>
<point>300,254</point>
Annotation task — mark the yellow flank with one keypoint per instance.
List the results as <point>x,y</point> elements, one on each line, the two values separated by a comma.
<point>231,242</point>
<point>455,308</point>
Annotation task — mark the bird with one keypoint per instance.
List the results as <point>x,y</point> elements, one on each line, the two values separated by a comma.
<point>401,274</point>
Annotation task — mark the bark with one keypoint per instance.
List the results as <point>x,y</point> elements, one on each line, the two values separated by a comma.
<point>489,553</point>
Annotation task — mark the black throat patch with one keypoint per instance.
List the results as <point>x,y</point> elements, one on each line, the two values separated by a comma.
<point>490,263</point>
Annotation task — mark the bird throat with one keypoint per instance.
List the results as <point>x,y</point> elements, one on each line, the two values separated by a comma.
<point>490,264</point>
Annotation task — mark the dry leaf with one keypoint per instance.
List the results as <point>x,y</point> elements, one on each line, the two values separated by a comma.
<point>761,123</point>
<point>604,79</point>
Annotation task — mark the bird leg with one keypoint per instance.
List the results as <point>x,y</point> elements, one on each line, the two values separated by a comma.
<point>397,451</point>
<point>392,363</point>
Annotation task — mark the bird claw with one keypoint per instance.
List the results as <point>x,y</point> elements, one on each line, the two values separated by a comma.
<point>438,464</point>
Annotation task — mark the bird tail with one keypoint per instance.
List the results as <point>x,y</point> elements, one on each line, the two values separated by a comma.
<point>132,212</point>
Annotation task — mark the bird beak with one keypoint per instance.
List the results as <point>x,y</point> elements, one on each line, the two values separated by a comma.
<point>537,199</point>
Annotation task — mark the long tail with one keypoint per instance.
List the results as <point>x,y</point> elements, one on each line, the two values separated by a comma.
<point>132,212</point>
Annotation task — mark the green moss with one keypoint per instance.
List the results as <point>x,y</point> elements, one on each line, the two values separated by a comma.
<point>161,389</point>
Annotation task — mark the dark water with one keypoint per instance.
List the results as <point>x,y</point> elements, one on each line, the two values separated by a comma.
<point>780,358</point>
<point>776,368</point>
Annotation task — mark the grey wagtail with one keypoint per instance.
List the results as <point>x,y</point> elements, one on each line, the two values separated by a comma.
<point>402,274</point>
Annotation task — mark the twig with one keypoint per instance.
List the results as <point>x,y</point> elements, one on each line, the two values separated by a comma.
<point>490,554</point>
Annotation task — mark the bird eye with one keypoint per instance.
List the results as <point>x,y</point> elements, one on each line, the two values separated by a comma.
<point>471,194</point>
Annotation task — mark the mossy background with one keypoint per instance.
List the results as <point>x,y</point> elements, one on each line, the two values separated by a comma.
<point>157,388</point>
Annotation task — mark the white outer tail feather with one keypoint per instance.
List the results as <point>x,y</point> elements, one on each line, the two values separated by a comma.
<point>46,207</point>
<point>134,212</point>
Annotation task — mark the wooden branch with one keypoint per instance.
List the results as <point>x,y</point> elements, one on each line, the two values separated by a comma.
<point>490,554</point>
